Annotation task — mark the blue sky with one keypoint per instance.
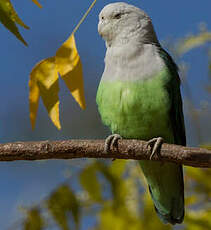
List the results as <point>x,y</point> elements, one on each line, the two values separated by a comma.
<point>24,183</point>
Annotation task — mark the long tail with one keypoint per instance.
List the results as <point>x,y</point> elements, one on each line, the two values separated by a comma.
<point>166,187</point>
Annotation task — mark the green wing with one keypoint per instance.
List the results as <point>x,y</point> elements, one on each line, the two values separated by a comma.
<point>176,110</point>
<point>167,186</point>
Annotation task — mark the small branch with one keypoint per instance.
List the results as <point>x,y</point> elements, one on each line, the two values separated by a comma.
<point>127,149</point>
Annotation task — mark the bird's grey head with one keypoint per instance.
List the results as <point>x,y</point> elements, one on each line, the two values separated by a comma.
<point>120,22</point>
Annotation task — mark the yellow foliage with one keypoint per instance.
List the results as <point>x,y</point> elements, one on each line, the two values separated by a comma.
<point>34,95</point>
<point>90,182</point>
<point>193,41</point>
<point>118,219</point>
<point>70,68</point>
<point>61,204</point>
<point>120,201</point>
<point>34,221</point>
<point>117,168</point>
<point>67,56</point>
<point>37,3</point>
<point>198,220</point>
<point>8,17</point>
<point>44,82</point>
<point>201,178</point>
<point>67,63</point>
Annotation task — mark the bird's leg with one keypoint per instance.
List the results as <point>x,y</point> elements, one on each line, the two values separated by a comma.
<point>155,144</point>
<point>111,141</point>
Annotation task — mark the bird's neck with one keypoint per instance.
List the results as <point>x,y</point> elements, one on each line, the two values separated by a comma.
<point>134,35</point>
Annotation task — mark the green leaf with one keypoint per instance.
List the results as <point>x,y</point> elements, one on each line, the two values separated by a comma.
<point>34,221</point>
<point>62,203</point>
<point>8,17</point>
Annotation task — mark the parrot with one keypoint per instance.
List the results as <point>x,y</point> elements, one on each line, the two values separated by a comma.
<point>139,97</point>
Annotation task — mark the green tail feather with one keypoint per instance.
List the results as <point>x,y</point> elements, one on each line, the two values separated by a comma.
<point>166,188</point>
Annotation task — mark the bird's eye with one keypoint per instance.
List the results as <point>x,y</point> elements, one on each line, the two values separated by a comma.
<point>117,16</point>
<point>102,17</point>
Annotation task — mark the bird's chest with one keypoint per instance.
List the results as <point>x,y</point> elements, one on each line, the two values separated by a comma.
<point>136,109</point>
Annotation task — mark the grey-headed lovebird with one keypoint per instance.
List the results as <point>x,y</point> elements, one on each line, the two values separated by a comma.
<point>139,98</point>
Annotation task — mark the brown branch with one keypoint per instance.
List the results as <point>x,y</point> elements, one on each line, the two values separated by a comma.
<point>127,149</point>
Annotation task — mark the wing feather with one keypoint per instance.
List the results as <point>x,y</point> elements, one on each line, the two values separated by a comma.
<point>176,107</point>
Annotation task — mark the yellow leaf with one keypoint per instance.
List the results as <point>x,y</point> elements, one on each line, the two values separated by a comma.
<point>34,95</point>
<point>193,42</point>
<point>34,220</point>
<point>8,17</point>
<point>6,5</point>
<point>44,76</point>
<point>37,3</point>
<point>92,186</point>
<point>69,66</point>
<point>61,204</point>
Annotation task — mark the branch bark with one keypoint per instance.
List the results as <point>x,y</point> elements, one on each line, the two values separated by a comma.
<point>127,149</point>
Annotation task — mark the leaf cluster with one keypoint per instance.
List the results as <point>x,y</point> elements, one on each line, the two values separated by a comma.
<point>116,196</point>
<point>9,18</point>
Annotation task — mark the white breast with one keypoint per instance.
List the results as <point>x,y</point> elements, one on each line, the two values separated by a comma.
<point>132,62</point>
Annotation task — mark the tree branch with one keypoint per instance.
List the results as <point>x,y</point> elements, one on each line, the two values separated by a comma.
<point>127,149</point>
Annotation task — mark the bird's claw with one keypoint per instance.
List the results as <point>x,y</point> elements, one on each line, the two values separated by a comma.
<point>155,144</point>
<point>111,142</point>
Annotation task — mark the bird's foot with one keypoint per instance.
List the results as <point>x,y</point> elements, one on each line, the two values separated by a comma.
<point>111,142</point>
<point>155,144</point>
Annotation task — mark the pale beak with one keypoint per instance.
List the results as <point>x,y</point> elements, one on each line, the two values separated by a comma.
<point>100,25</point>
